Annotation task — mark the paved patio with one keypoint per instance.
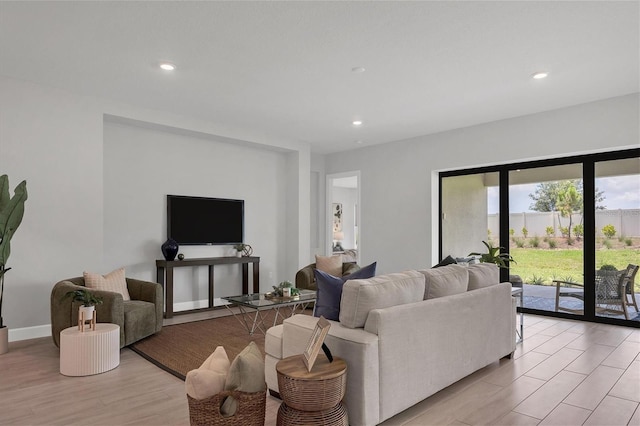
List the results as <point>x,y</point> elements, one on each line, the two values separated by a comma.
<point>543,297</point>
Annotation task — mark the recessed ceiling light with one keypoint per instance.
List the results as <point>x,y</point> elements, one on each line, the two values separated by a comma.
<point>539,75</point>
<point>357,122</point>
<point>358,69</point>
<point>359,142</point>
<point>167,66</point>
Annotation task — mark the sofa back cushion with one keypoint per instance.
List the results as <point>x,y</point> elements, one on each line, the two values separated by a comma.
<point>445,281</point>
<point>483,275</point>
<point>361,296</point>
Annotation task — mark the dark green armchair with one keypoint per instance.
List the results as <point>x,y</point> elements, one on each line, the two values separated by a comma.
<point>138,318</point>
<point>306,278</point>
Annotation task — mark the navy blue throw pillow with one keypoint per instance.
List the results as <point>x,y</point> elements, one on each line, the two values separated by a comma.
<point>330,290</point>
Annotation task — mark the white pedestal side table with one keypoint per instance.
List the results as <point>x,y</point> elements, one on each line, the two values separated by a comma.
<point>83,353</point>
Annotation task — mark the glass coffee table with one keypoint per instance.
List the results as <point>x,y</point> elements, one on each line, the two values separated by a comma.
<point>251,307</point>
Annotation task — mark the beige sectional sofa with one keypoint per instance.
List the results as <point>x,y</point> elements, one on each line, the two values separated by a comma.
<point>407,335</point>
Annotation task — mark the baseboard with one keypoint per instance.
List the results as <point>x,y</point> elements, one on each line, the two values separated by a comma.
<point>197,304</point>
<point>38,331</point>
<point>27,333</point>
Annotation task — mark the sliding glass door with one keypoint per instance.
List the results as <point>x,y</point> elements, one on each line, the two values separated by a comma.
<point>617,239</point>
<point>546,236</point>
<point>571,224</point>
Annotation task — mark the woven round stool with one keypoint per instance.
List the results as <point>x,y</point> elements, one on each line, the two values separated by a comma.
<point>312,398</point>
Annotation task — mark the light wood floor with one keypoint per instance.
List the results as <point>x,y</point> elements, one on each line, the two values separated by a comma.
<point>565,373</point>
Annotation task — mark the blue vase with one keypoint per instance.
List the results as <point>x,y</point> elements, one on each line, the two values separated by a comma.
<point>170,249</point>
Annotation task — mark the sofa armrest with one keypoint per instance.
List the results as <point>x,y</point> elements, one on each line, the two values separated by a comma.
<point>349,268</point>
<point>64,311</point>
<point>358,348</point>
<point>306,279</point>
<point>148,292</point>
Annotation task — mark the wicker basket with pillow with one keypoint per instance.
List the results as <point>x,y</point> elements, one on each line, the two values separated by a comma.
<point>224,393</point>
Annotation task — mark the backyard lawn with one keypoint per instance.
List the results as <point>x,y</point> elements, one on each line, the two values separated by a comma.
<point>543,265</point>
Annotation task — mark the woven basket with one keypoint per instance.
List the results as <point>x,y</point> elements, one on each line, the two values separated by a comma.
<point>250,412</point>
<point>312,395</point>
<point>336,416</point>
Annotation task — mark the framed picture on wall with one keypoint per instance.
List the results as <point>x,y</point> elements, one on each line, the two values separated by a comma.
<point>337,217</point>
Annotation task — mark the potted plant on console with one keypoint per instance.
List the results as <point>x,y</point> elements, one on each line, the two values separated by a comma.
<point>239,249</point>
<point>11,213</point>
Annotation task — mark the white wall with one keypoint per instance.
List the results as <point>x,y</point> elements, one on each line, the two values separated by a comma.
<point>399,197</point>
<point>465,222</point>
<point>82,182</point>
<point>142,166</point>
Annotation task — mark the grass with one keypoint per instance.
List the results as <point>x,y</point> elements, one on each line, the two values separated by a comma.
<point>541,266</point>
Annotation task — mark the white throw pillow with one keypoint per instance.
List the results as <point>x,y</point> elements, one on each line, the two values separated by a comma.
<point>445,281</point>
<point>483,275</point>
<point>114,281</point>
<point>332,265</point>
<point>210,378</point>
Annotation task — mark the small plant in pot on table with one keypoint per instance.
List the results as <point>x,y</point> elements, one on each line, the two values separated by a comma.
<point>285,289</point>
<point>88,299</point>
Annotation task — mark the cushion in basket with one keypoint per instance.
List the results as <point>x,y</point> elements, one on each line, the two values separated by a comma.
<point>330,264</point>
<point>246,374</point>
<point>330,290</point>
<point>114,281</point>
<point>361,296</point>
<point>208,379</point>
<point>445,281</point>
<point>483,275</point>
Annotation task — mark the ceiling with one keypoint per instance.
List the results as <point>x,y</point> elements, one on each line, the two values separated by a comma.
<point>284,69</point>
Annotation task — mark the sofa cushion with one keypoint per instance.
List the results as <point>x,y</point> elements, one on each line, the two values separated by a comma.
<point>273,341</point>
<point>330,264</point>
<point>483,275</point>
<point>246,374</point>
<point>362,295</point>
<point>208,379</point>
<point>114,281</point>
<point>330,290</point>
<point>445,281</point>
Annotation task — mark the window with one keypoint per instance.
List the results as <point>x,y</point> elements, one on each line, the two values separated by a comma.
<point>562,220</point>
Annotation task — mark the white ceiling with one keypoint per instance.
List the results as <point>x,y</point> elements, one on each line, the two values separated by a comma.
<point>283,69</point>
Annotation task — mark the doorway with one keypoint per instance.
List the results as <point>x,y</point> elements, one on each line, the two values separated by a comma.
<point>342,225</point>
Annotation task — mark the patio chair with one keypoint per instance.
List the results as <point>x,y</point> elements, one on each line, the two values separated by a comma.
<point>631,295</point>
<point>612,291</point>
<point>569,289</point>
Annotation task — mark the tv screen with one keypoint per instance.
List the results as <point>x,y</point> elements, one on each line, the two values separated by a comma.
<point>200,220</point>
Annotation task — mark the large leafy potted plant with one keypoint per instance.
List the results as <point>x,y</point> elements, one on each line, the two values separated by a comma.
<point>494,255</point>
<point>11,213</point>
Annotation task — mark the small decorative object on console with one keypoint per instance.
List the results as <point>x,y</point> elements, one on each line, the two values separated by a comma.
<point>243,249</point>
<point>180,256</point>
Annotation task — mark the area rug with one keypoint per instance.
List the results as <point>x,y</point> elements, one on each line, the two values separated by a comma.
<point>181,348</point>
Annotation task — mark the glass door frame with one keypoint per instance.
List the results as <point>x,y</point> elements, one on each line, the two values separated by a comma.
<point>588,162</point>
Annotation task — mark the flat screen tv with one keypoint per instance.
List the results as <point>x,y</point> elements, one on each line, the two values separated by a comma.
<point>205,221</point>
